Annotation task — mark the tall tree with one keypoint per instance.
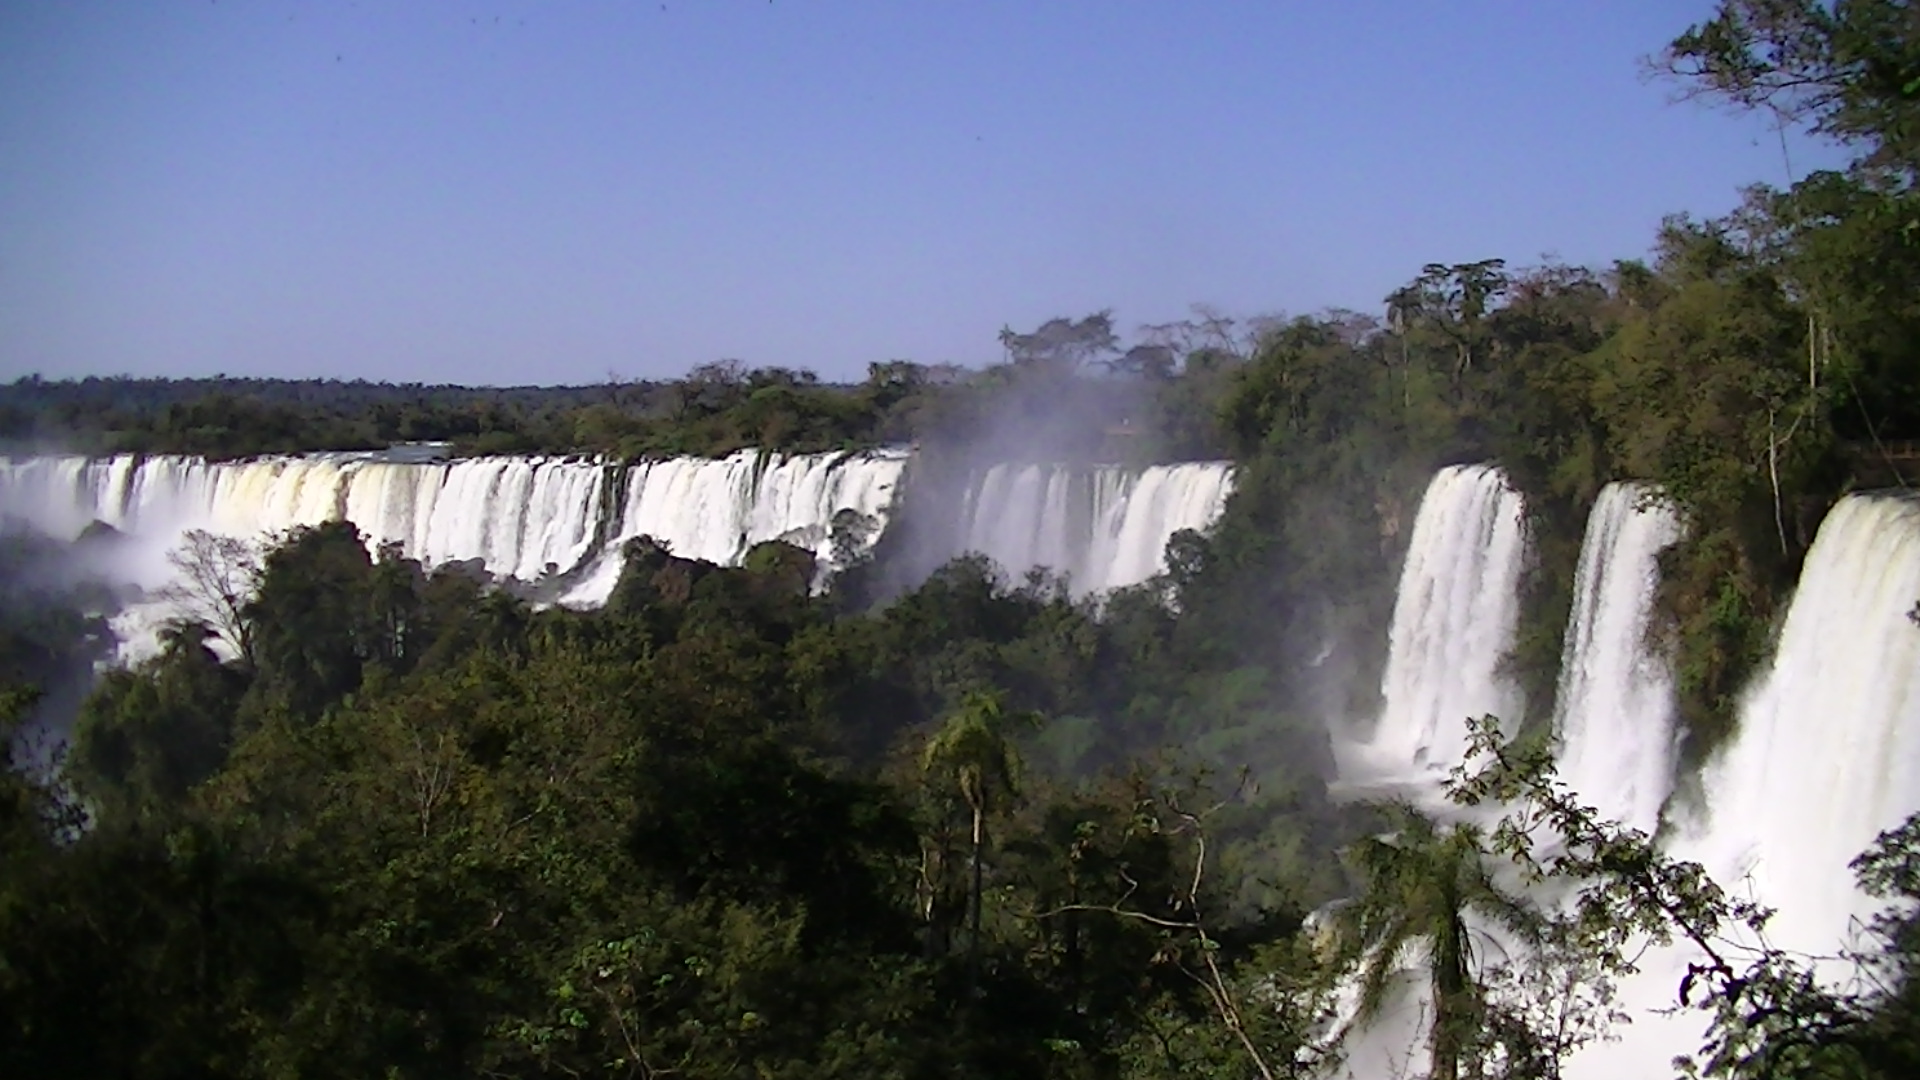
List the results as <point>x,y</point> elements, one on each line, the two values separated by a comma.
<point>147,736</point>
<point>1423,887</point>
<point>310,617</point>
<point>1062,345</point>
<point>971,749</point>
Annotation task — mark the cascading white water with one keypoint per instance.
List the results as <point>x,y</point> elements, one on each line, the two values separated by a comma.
<point>1828,749</point>
<point>525,518</point>
<point>531,517</point>
<point>1104,527</point>
<point>1614,713</point>
<point>518,515</point>
<point>717,509</point>
<point>1453,624</point>
<point>1826,755</point>
<point>521,517</point>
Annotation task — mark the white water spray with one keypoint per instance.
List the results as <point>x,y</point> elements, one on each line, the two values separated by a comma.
<point>1104,527</point>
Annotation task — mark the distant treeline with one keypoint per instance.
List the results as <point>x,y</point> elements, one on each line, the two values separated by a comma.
<point>1068,389</point>
<point>227,418</point>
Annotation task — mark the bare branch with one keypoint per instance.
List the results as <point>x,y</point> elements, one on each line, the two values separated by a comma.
<point>217,576</point>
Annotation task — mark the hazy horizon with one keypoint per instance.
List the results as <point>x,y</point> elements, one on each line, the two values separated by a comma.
<point>508,193</point>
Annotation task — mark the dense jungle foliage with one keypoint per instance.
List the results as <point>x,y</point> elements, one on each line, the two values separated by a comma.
<point>370,818</point>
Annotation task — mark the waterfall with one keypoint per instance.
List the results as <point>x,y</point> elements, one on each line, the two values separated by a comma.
<point>529,518</point>
<point>1828,749</point>
<point>1614,714</point>
<point>1453,624</point>
<point>518,515</point>
<point>1826,755</point>
<point>717,509</point>
<point>526,518</point>
<point>1104,527</point>
<point>521,517</point>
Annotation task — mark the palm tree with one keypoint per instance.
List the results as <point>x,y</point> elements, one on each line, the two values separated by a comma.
<point>1422,883</point>
<point>971,747</point>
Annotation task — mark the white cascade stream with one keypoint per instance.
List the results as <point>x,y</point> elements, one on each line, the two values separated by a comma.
<point>1454,618</point>
<point>717,509</point>
<point>521,517</point>
<point>1614,711</point>
<point>528,518</point>
<point>1453,624</point>
<point>1836,719</point>
<point>1103,526</point>
<point>1826,755</point>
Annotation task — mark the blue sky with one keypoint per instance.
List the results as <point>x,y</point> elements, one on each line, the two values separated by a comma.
<point>509,192</point>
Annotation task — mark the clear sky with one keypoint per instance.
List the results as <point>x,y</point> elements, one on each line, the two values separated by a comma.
<point>502,192</point>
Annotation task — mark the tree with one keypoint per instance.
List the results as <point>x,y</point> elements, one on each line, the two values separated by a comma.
<point>1849,70</point>
<point>1423,885</point>
<point>1456,299</point>
<point>1403,306</point>
<point>971,750</point>
<point>1210,332</point>
<point>24,803</point>
<point>1153,362</point>
<point>1062,346</point>
<point>146,737</point>
<point>217,578</point>
<point>1272,1013</point>
<point>710,388</point>
<point>311,617</point>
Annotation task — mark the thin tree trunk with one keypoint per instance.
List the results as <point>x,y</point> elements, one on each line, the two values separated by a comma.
<point>1450,1012</point>
<point>1773,474</point>
<point>1406,375</point>
<point>979,837</point>
<point>1073,938</point>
